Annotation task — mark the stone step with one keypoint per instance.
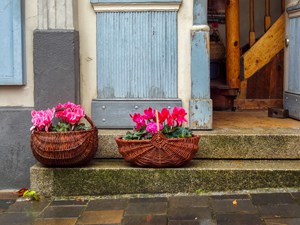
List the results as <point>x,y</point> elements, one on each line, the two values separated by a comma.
<point>223,143</point>
<point>114,177</point>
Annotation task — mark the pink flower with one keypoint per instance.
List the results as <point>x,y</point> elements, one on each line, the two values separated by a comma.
<point>149,114</point>
<point>152,127</point>
<point>178,115</point>
<point>73,116</point>
<point>42,119</point>
<point>70,113</point>
<point>139,120</point>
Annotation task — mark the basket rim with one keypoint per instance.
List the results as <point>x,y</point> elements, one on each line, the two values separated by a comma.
<point>64,132</point>
<point>119,138</point>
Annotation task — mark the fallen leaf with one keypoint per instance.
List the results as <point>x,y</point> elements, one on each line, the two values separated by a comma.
<point>21,191</point>
<point>234,203</point>
<point>32,194</point>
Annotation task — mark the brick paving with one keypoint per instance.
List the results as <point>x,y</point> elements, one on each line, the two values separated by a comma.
<point>276,208</point>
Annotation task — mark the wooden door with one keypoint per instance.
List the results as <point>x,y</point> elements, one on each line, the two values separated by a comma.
<point>292,93</point>
<point>137,65</point>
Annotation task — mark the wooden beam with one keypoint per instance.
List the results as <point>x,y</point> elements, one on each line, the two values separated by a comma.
<point>241,104</point>
<point>232,43</point>
<point>264,49</point>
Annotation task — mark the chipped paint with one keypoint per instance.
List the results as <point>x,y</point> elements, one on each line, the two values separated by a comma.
<point>201,114</point>
<point>200,12</point>
<point>200,65</point>
<point>200,103</point>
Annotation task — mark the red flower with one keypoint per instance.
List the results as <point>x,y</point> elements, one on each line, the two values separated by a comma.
<point>149,114</point>
<point>170,121</point>
<point>163,115</point>
<point>178,115</point>
<point>139,120</point>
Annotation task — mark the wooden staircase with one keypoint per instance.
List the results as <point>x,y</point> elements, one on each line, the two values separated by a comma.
<point>255,76</point>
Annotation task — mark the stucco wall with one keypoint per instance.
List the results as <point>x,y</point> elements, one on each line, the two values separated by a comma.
<point>23,95</point>
<point>87,42</point>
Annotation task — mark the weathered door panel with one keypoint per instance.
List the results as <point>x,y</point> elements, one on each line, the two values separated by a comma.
<point>136,65</point>
<point>137,55</point>
<point>10,43</point>
<point>292,94</point>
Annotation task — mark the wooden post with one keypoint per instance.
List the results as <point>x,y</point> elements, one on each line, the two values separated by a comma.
<point>244,83</point>
<point>267,15</point>
<point>282,6</point>
<point>232,43</point>
<point>251,19</point>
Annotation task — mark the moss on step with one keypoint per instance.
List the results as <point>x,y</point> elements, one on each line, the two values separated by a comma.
<point>116,177</point>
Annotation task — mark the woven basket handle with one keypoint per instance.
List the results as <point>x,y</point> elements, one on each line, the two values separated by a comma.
<point>90,121</point>
<point>157,120</point>
<point>85,116</point>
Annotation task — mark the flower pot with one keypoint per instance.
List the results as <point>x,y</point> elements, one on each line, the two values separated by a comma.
<point>65,149</point>
<point>158,151</point>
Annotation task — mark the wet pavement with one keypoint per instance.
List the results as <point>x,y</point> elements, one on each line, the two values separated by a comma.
<point>259,208</point>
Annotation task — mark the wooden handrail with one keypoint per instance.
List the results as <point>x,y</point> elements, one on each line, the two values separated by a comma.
<point>264,49</point>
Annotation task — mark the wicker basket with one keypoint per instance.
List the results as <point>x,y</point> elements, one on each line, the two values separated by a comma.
<point>158,151</point>
<point>65,149</point>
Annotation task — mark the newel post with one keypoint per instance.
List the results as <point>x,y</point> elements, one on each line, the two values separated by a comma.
<point>200,102</point>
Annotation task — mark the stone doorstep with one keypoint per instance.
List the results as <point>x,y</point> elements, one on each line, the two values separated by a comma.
<point>116,177</point>
<point>258,143</point>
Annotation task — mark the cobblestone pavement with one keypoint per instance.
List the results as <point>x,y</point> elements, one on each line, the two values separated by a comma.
<point>275,208</point>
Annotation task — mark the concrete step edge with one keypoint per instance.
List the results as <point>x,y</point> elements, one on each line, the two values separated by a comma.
<point>114,177</point>
<point>226,144</point>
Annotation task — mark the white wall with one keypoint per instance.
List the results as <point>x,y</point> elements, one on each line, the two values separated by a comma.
<point>88,58</point>
<point>23,95</point>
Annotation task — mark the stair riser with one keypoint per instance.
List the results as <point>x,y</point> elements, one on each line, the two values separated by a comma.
<point>114,180</point>
<point>231,146</point>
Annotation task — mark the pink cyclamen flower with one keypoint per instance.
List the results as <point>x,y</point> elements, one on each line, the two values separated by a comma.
<point>152,127</point>
<point>139,120</point>
<point>42,119</point>
<point>170,121</point>
<point>163,115</point>
<point>71,112</point>
<point>178,115</point>
<point>149,114</point>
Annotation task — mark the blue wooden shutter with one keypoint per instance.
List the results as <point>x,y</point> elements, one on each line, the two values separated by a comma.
<point>137,55</point>
<point>11,72</point>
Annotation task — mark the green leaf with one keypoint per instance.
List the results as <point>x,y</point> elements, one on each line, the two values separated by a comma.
<point>181,132</point>
<point>81,126</point>
<point>62,127</point>
<point>128,136</point>
<point>32,194</point>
